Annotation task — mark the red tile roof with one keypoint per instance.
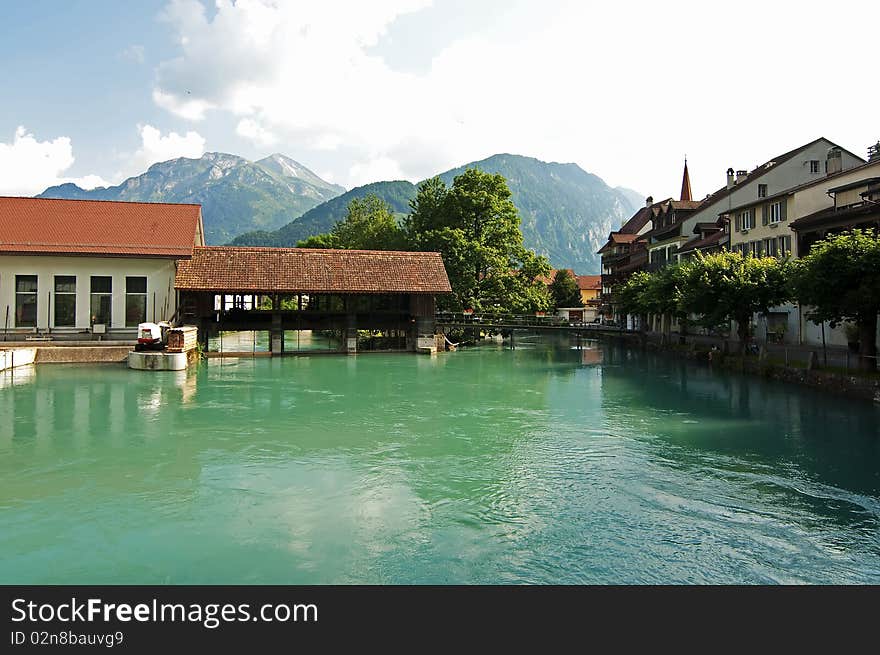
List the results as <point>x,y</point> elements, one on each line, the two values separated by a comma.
<point>98,227</point>
<point>586,282</point>
<point>308,270</point>
<point>548,279</point>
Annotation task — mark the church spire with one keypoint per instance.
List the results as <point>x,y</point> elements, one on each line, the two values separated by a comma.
<point>686,183</point>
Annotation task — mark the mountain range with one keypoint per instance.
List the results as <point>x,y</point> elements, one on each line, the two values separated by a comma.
<point>566,212</point>
<point>236,194</point>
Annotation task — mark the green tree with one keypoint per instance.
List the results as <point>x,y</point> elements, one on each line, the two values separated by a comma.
<point>628,295</point>
<point>564,290</point>
<point>475,226</point>
<point>659,293</point>
<point>840,280</point>
<point>320,241</point>
<point>726,286</point>
<point>369,225</point>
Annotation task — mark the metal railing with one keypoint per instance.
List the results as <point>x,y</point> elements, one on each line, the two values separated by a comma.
<point>490,319</point>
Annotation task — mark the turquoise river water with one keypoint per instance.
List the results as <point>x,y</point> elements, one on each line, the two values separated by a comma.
<point>541,465</point>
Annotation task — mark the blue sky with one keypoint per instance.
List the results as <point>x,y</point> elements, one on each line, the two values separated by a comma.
<point>94,91</point>
<point>66,73</point>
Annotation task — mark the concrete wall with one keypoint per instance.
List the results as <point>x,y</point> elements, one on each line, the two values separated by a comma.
<point>799,329</point>
<point>159,274</point>
<point>82,354</point>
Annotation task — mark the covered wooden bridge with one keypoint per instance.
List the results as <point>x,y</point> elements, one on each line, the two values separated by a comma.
<point>294,289</point>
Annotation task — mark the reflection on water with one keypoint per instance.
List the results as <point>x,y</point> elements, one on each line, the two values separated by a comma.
<point>543,464</point>
<point>18,375</point>
<point>257,341</point>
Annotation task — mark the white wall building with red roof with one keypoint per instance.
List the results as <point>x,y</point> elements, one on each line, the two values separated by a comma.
<point>77,268</point>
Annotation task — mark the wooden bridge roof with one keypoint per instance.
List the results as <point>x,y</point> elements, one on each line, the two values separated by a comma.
<point>308,270</point>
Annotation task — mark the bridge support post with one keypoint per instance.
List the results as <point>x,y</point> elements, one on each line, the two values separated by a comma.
<point>276,336</point>
<point>350,335</point>
<point>421,333</point>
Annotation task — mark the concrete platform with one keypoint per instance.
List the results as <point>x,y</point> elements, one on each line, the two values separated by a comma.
<point>82,354</point>
<point>157,361</point>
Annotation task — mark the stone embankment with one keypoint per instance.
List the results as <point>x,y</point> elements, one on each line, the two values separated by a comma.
<point>808,372</point>
<point>74,353</point>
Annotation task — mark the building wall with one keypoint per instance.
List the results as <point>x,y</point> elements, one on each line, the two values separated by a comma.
<point>815,198</point>
<point>770,230</point>
<point>161,298</point>
<point>671,245</point>
<point>803,203</point>
<point>778,178</point>
<point>587,314</point>
<point>589,294</point>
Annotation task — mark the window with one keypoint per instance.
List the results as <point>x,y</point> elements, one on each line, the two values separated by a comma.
<point>25,301</point>
<point>814,165</point>
<point>135,301</point>
<point>784,244</point>
<point>65,300</point>
<point>775,212</point>
<point>755,248</point>
<point>770,247</point>
<point>745,220</point>
<point>102,299</point>
<point>762,190</point>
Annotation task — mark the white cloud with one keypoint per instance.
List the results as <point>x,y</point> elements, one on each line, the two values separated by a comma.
<point>155,147</point>
<point>623,90</point>
<point>88,181</point>
<point>134,53</point>
<point>193,110</point>
<point>252,130</point>
<point>28,166</point>
<point>380,168</point>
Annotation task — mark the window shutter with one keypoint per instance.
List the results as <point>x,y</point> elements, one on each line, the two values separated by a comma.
<point>737,220</point>
<point>765,214</point>
<point>782,212</point>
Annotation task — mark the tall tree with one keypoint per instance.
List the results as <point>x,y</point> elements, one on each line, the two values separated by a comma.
<point>840,280</point>
<point>726,286</point>
<point>369,225</point>
<point>475,226</point>
<point>565,291</point>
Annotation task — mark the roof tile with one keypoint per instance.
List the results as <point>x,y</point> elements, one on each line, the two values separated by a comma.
<point>310,270</point>
<point>100,227</point>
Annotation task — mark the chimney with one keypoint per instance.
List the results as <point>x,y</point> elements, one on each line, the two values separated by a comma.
<point>874,152</point>
<point>649,201</point>
<point>740,176</point>
<point>730,181</point>
<point>833,161</point>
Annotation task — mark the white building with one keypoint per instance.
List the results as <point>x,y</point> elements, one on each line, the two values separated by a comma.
<point>810,162</point>
<point>77,268</point>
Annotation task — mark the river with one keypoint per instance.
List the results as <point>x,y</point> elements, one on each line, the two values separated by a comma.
<point>544,464</point>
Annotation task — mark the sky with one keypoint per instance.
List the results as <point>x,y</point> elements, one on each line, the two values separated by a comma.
<point>94,91</point>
